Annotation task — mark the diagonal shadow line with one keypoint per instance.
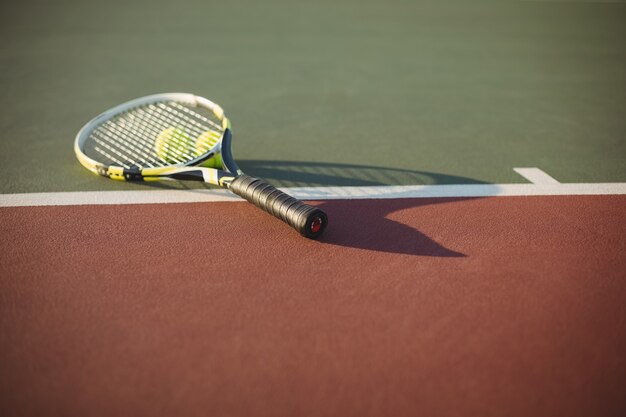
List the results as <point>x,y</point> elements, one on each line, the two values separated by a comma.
<point>298,173</point>
<point>363,224</point>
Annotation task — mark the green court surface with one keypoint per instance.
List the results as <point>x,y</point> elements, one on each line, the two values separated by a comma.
<point>328,92</point>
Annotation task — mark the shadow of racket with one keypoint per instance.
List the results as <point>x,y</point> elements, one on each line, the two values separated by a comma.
<point>365,224</point>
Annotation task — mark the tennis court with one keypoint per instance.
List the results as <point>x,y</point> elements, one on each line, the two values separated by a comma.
<point>470,157</point>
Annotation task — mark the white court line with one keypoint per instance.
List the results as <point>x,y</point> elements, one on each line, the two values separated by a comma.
<point>535,175</point>
<point>310,193</point>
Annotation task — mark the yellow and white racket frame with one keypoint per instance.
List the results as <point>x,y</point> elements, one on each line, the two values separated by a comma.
<point>158,173</point>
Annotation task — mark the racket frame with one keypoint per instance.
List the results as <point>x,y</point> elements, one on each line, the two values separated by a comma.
<point>309,221</point>
<point>178,171</point>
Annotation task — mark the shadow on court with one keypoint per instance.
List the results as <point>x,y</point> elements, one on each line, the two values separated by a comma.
<point>312,174</point>
<point>362,224</point>
<point>365,224</point>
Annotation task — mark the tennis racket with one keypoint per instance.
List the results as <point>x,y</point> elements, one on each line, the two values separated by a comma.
<point>178,136</point>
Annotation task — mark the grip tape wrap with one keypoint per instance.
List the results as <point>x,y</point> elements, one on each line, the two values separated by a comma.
<point>309,221</point>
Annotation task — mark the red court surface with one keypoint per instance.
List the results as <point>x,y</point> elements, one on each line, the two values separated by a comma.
<point>486,306</point>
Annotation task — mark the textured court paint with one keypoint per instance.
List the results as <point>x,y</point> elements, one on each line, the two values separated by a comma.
<point>504,306</point>
<point>468,88</point>
<point>312,193</point>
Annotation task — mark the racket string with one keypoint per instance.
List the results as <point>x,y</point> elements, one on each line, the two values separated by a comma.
<point>199,116</point>
<point>130,138</point>
<point>135,125</point>
<point>112,149</point>
<point>137,143</point>
<point>178,145</point>
<point>166,113</point>
<point>112,158</point>
<point>193,117</point>
<point>158,116</point>
<point>116,134</point>
<point>147,122</point>
<point>127,128</point>
<point>103,136</point>
<point>142,148</point>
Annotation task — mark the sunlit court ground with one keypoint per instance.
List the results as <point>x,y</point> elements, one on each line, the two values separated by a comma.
<point>470,157</point>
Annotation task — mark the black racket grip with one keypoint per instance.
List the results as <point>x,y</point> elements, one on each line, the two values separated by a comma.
<point>309,221</point>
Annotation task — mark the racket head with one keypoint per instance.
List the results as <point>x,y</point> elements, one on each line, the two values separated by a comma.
<point>151,135</point>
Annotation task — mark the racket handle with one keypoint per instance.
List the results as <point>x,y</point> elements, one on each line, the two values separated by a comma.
<point>309,221</point>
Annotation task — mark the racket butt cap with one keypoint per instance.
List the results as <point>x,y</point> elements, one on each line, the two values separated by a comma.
<point>316,222</point>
